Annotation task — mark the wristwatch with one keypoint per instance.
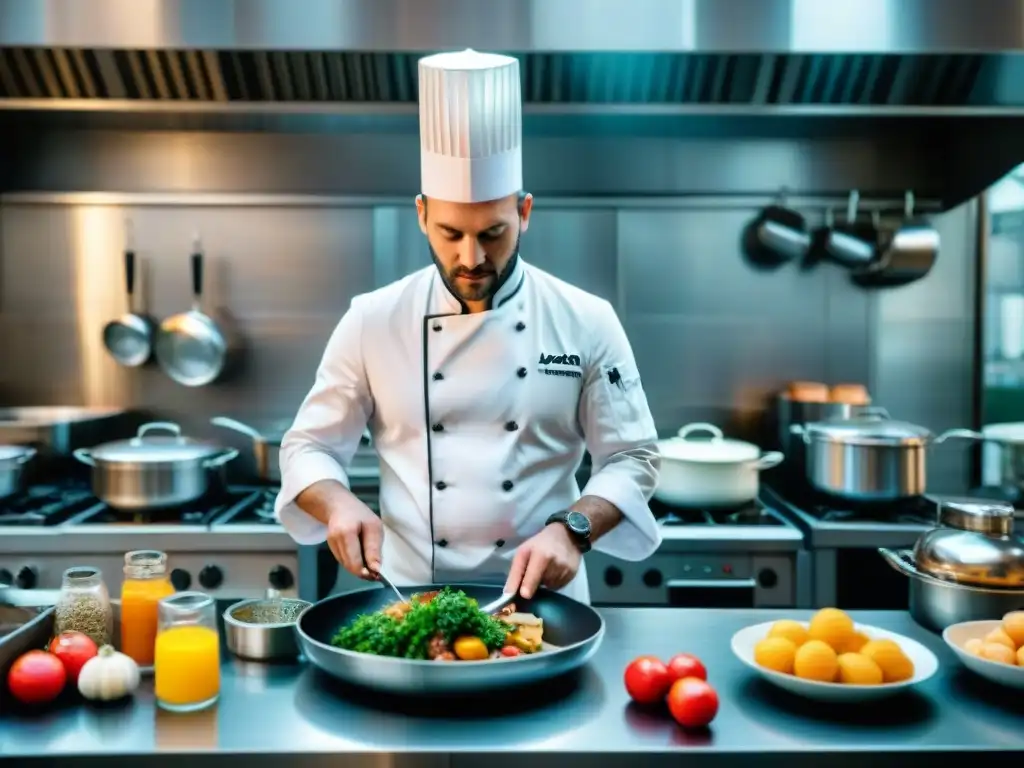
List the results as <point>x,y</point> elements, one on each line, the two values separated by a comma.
<point>578,526</point>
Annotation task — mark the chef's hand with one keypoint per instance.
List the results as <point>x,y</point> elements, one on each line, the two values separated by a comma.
<point>550,558</point>
<point>354,535</point>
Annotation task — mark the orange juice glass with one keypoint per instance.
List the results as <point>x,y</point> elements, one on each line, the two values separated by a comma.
<point>145,584</point>
<point>186,665</point>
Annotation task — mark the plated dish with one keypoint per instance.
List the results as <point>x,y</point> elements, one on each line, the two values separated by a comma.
<point>830,658</point>
<point>992,649</point>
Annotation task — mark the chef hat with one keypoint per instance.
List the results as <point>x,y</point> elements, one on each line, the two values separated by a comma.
<point>470,127</point>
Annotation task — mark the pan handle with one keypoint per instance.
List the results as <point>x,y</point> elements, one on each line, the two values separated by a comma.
<point>129,273</point>
<point>197,275</point>
<point>237,426</point>
<point>84,455</point>
<point>221,460</point>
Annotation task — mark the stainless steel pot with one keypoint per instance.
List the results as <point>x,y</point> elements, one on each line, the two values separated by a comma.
<point>936,603</point>
<point>263,629</point>
<point>1003,455</point>
<point>974,545</point>
<point>13,459</point>
<point>154,472</point>
<point>870,457</point>
<point>790,413</point>
<point>266,447</point>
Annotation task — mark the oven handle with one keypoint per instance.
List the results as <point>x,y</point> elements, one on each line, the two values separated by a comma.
<point>711,593</point>
<point>711,584</point>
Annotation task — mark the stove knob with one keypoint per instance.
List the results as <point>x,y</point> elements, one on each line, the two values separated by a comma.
<point>181,579</point>
<point>652,578</point>
<point>6,577</point>
<point>613,577</point>
<point>767,578</point>
<point>280,578</point>
<point>211,577</point>
<point>26,578</point>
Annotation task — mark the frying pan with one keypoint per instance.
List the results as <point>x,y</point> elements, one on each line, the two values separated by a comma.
<point>575,629</point>
<point>129,339</point>
<point>190,347</point>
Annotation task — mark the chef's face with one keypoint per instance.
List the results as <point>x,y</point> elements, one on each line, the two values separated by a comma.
<point>473,243</point>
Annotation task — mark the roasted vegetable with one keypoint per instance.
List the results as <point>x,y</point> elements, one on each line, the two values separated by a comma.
<point>412,632</point>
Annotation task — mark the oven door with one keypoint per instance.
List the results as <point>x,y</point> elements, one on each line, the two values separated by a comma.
<point>683,580</point>
<point>865,582</point>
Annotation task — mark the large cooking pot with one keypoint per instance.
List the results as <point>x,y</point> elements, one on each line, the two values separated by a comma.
<point>790,412</point>
<point>715,472</point>
<point>13,459</point>
<point>1002,462</point>
<point>969,568</point>
<point>870,457</point>
<point>154,472</point>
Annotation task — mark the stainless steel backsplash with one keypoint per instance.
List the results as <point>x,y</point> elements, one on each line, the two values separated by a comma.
<point>714,338</point>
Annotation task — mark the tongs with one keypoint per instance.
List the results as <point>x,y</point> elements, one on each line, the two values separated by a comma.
<point>491,608</point>
<point>389,583</point>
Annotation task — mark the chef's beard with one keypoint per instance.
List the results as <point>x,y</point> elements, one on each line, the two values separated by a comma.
<point>482,291</point>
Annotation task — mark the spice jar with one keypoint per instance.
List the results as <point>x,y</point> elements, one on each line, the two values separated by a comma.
<point>186,667</point>
<point>84,605</point>
<point>145,584</point>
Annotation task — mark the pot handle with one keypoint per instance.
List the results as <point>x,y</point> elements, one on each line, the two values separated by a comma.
<point>769,460</point>
<point>84,455</point>
<point>966,434</point>
<point>221,460</point>
<point>166,426</point>
<point>689,429</point>
<point>901,562</point>
<point>26,456</point>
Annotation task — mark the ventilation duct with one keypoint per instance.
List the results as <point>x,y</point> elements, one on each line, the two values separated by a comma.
<point>853,55</point>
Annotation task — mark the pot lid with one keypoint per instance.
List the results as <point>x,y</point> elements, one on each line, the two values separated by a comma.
<point>975,547</point>
<point>713,448</point>
<point>148,448</point>
<point>869,427</point>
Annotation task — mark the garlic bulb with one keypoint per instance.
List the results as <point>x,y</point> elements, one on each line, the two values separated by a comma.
<point>108,676</point>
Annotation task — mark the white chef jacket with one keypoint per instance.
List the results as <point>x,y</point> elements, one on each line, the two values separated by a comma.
<point>480,422</point>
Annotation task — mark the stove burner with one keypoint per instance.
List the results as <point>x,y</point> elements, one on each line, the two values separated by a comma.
<point>919,511</point>
<point>752,514</point>
<point>46,505</point>
<point>199,512</point>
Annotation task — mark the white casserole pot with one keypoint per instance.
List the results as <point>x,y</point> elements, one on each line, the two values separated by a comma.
<point>710,473</point>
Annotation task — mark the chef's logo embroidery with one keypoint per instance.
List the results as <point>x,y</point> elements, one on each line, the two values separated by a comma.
<point>560,365</point>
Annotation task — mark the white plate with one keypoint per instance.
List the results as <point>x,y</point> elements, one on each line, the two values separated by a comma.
<point>925,665</point>
<point>1003,674</point>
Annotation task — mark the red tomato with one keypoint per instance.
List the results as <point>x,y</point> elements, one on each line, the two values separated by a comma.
<point>692,702</point>
<point>686,665</point>
<point>510,651</point>
<point>73,649</point>
<point>647,680</point>
<point>36,677</point>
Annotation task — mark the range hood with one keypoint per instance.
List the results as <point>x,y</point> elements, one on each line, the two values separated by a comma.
<point>806,56</point>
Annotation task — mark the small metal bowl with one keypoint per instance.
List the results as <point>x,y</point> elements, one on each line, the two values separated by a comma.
<point>263,629</point>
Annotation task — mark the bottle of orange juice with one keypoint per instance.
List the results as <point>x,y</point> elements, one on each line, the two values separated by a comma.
<point>145,584</point>
<point>186,669</point>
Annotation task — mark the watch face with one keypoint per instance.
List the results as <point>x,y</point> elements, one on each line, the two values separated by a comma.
<point>578,523</point>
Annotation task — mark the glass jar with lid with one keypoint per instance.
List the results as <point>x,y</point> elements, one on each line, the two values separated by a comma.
<point>186,663</point>
<point>83,605</point>
<point>146,583</point>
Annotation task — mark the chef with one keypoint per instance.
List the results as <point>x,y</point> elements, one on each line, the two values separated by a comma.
<point>482,380</point>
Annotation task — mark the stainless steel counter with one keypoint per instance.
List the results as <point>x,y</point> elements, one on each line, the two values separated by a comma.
<point>292,715</point>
